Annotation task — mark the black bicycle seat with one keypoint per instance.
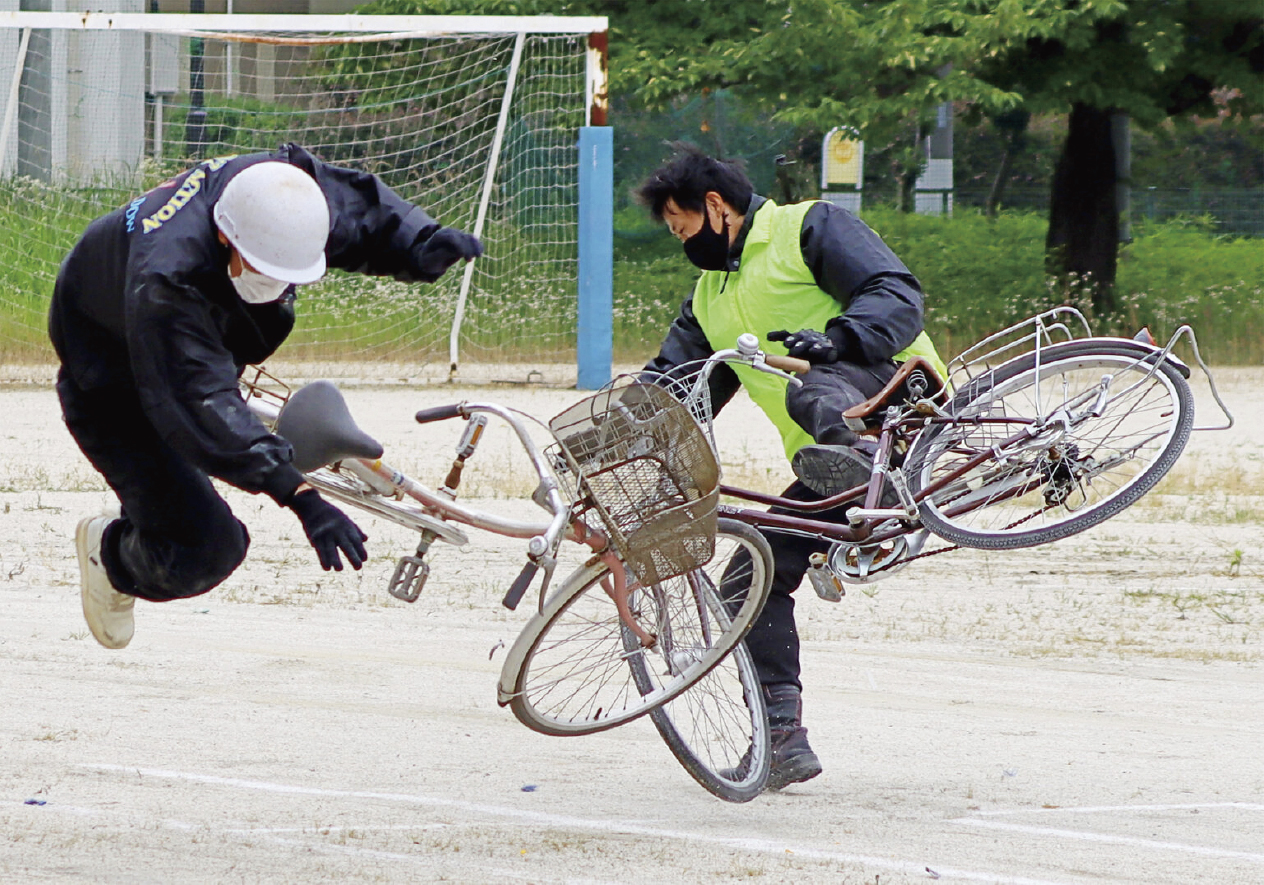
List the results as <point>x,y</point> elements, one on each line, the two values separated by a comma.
<point>317,423</point>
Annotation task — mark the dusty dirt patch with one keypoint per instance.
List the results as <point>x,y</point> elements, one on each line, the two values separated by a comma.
<point>1087,711</point>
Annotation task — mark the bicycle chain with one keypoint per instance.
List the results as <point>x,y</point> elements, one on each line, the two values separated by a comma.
<point>958,546</point>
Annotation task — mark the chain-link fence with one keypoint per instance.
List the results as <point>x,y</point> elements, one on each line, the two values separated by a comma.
<point>1238,211</point>
<point>726,126</point>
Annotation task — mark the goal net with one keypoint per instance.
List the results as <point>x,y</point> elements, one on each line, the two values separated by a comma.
<point>475,119</point>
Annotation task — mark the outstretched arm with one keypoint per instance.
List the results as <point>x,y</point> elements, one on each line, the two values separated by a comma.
<point>375,231</point>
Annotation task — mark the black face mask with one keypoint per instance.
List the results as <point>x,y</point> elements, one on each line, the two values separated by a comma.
<point>708,249</point>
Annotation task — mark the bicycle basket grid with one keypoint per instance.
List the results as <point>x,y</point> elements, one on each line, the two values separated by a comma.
<point>647,469</point>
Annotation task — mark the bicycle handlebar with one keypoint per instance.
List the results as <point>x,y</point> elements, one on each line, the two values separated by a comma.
<point>789,364</point>
<point>440,413</point>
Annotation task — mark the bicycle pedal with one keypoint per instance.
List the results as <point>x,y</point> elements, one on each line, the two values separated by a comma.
<point>824,581</point>
<point>410,576</point>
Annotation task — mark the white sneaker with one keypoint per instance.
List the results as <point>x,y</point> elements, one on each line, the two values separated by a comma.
<point>107,611</point>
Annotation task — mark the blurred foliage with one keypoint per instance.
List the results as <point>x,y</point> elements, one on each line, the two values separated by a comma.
<point>981,274</point>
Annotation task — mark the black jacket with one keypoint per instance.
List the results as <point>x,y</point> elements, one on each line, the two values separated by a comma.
<point>144,301</point>
<point>881,301</point>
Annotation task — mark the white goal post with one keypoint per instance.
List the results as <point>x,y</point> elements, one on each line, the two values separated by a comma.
<point>487,122</point>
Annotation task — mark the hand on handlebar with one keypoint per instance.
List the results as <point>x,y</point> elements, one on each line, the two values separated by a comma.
<point>808,344</point>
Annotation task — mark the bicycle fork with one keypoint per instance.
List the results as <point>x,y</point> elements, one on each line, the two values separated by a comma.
<point>411,572</point>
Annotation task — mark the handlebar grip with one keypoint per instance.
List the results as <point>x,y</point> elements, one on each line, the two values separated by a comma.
<point>439,413</point>
<point>791,364</point>
<point>520,585</point>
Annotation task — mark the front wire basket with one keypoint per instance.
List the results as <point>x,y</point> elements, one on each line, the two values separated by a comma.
<point>645,465</point>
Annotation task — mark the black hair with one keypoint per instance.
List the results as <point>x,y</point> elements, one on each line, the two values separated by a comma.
<point>688,176</point>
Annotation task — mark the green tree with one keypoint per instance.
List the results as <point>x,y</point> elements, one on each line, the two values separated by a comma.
<point>1106,61</point>
<point>884,66</point>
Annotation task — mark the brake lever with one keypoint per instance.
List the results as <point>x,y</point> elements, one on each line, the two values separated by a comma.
<point>762,364</point>
<point>770,363</point>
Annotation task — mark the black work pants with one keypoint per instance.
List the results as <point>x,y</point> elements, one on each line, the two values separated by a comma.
<point>177,537</point>
<point>817,406</point>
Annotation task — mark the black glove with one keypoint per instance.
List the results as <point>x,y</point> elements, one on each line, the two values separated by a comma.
<point>809,344</point>
<point>445,248</point>
<point>329,530</point>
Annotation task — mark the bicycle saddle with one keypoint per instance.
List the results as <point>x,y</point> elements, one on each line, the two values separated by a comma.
<point>316,422</point>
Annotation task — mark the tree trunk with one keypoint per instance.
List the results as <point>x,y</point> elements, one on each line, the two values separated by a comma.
<point>1014,125</point>
<point>1083,238</point>
<point>907,181</point>
<point>998,184</point>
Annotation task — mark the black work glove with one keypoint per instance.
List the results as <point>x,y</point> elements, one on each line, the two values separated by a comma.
<point>445,248</point>
<point>809,344</point>
<point>329,530</point>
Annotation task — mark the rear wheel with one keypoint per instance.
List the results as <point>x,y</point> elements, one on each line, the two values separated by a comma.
<point>573,669</point>
<point>1064,444</point>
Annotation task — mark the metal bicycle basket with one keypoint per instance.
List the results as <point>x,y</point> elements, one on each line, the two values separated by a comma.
<point>641,461</point>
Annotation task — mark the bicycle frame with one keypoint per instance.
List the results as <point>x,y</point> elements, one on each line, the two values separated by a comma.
<point>378,488</point>
<point>871,525</point>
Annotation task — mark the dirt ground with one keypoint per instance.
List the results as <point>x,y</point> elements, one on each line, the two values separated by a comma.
<point>1091,711</point>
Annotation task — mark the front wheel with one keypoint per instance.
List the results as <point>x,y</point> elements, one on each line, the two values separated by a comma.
<point>573,670</point>
<point>718,730</point>
<point>1061,444</point>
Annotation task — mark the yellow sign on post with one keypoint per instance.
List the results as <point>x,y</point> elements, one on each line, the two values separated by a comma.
<point>842,159</point>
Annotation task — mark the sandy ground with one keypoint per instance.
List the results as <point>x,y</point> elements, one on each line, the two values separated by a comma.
<point>1090,711</point>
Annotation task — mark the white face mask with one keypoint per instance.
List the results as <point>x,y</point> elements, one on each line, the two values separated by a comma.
<point>255,288</point>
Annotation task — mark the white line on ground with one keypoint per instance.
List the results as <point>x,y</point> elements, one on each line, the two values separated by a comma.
<point>267,835</point>
<point>1113,809</point>
<point>323,830</point>
<point>1106,837</point>
<point>761,846</point>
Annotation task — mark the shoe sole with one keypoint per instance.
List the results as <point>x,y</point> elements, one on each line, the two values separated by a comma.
<point>829,473</point>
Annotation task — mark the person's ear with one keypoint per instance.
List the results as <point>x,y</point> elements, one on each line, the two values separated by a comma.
<point>715,210</point>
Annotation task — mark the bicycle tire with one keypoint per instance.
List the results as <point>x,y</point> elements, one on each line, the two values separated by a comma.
<point>569,673</point>
<point>718,729</point>
<point>1063,480</point>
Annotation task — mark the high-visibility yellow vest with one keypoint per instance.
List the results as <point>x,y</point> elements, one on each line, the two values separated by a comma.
<point>774,289</point>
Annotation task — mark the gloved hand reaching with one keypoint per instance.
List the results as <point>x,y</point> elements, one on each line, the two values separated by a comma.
<point>445,248</point>
<point>329,530</point>
<point>809,344</point>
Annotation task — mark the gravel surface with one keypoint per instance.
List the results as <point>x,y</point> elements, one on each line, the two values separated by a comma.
<point>1090,711</point>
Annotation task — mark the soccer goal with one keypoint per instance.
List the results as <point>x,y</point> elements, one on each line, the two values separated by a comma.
<point>477,119</point>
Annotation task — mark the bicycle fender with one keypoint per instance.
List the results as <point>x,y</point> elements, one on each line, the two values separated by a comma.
<point>1149,350</point>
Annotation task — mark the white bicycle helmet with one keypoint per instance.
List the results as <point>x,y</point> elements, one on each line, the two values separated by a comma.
<point>276,216</point>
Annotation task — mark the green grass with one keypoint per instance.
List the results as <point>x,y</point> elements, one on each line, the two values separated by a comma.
<point>979,275</point>
<point>982,274</point>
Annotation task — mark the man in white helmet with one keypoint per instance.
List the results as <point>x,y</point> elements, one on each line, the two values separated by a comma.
<point>156,311</point>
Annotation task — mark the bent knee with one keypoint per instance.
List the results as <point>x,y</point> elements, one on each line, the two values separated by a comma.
<point>192,570</point>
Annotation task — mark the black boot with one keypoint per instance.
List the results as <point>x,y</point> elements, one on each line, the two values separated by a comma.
<point>792,759</point>
<point>829,470</point>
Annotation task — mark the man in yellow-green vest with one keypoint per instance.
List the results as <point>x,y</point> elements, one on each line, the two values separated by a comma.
<point>811,280</point>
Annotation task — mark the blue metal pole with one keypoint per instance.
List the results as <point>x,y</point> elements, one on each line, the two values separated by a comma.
<point>596,256</point>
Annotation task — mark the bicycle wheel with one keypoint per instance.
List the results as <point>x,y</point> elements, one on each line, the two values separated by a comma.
<point>1103,422</point>
<point>718,730</point>
<point>569,672</point>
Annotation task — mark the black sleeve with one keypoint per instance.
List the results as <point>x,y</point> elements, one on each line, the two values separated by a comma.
<point>882,301</point>
<point>687,343</point>
<point>373,230</point>
<point>187,381</point>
